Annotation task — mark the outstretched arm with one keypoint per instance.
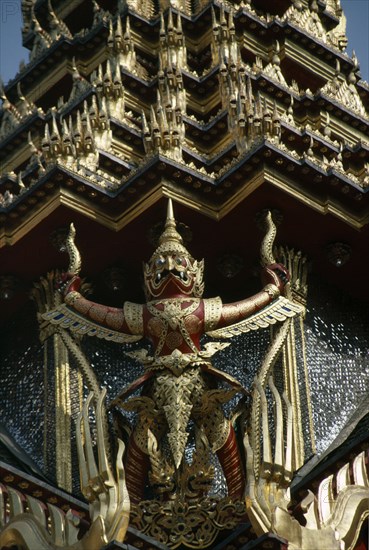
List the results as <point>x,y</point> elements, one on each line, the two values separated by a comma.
<point>109,317</point>
<point>127,320</point>
<point>274,278</point>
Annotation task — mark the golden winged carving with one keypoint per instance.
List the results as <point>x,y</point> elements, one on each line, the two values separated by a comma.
<point>332,519</point>
<point>278,310</point>
<point>65,317</point>
<point>28,526</point>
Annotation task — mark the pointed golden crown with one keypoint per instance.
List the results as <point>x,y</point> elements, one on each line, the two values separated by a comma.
<point>170,241</point>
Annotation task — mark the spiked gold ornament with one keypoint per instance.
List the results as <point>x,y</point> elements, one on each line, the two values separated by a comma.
<point>170,241</point>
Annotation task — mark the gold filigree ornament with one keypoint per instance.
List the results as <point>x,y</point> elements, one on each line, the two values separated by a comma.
<point>172,318</point>
<point>195,525</point>
<point>187,517</point>
<point>177,361</point>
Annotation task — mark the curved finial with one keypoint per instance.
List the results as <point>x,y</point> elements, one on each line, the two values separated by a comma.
<point>74,255</point>
<point>266,248</point>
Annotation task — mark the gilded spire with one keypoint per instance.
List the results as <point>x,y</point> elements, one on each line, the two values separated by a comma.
<point>170,233</point>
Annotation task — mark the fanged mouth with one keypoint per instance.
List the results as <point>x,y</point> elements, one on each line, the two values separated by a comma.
<point>179,274</point>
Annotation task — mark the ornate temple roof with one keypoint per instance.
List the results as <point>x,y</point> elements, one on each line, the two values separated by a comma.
<point>221,106</point>
<point>228,108</point>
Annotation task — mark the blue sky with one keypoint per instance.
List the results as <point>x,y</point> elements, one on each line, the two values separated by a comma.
<point>11,51</point>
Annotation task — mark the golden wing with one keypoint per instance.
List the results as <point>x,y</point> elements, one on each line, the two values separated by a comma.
<point>67,318</point>
<point>279,310</point>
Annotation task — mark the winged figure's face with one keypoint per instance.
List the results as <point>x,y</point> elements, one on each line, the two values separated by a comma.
<point>171,274</point>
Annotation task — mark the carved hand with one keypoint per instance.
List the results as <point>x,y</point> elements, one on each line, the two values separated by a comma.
<point>275,274</point>
<point>69,283</point>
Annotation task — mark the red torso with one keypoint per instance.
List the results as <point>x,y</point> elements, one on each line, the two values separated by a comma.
<point>174,324</point>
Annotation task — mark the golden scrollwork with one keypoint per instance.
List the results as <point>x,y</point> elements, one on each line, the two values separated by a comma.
<point>193,525</point>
